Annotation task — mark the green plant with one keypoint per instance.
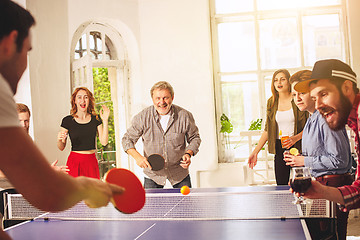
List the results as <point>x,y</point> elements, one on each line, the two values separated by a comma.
<point>102,94</point>
<point>255,124</point>
<point>226,129</point>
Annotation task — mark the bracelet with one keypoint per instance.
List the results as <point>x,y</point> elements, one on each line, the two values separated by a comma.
<point>188,154</point>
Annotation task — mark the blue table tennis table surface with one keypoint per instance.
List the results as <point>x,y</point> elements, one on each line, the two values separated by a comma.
<point>157,229</point>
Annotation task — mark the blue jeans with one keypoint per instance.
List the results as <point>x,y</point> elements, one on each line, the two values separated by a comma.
<point>149,183</point>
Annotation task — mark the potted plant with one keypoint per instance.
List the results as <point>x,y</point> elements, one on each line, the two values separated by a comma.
<point>226,129</point>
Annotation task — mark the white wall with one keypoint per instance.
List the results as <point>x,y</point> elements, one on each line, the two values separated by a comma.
<point>227,175</point>
<point>176,47</point>
<point>49,73</point>
<point>23,94</point>
<point>354,34</point>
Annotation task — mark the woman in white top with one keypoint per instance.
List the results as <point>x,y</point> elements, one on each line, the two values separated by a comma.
<point>282,118</point>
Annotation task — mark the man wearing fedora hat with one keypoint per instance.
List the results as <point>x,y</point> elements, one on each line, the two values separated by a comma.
<point>333,86</point>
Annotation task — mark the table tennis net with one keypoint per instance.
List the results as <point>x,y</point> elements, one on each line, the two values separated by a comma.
<point>195,206</point>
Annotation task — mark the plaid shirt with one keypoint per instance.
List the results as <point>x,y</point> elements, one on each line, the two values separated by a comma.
<point>351,193</point>
<point>171,144</point>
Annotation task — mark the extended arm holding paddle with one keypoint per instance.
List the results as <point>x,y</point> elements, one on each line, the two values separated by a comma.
<point>50,190</point>
<point>140,160</point>
<point>133,198</point>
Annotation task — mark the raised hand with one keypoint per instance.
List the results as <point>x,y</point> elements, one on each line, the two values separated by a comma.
<point>104,113</point>
<point>62,136</point>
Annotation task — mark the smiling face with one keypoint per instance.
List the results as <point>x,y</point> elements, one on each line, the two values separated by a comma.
<point>162,100</point>
<point>82,101</point>
<point>302,100</point>
<point>281,83</point>
<point>331,103</point>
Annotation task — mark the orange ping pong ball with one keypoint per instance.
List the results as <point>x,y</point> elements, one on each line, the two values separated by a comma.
<point>185,190</point>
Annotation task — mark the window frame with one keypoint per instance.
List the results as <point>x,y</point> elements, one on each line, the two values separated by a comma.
<point>256,16</point>
<point>118,73</point>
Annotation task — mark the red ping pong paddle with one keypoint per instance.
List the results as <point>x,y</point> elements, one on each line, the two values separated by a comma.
<point>156,161</point>
<point>133,198</point>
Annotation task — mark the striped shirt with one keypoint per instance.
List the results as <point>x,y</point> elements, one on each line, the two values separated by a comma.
<point>180,135</point>
<point>351,193</point>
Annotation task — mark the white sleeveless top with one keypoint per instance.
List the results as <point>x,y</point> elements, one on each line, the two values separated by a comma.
<point>286,122</point>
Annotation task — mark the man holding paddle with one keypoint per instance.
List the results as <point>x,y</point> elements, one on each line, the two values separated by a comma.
<point>21,161</point>
<point>165,129</point>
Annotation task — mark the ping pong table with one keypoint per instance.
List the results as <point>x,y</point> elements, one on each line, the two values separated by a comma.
<point>210,213</point>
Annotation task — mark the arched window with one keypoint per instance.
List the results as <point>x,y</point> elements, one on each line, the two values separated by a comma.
<point>96,46</point>
<point>101,66</point>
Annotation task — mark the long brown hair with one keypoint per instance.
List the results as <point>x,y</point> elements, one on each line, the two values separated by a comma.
<point>91,107</point>
<point>275,93</point>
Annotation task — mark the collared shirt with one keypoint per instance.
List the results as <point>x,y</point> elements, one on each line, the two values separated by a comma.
<point>171,144</point>
<point>351,193</point>
<point>271,125</point>
<point>8,113</point>
<point>326,152</point>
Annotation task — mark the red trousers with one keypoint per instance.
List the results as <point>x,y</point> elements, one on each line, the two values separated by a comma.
<point>83,165</point>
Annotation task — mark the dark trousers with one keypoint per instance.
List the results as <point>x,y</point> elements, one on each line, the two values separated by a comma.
<point>282,171</point>
<point>341,217</point>
<point>149,183</point>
